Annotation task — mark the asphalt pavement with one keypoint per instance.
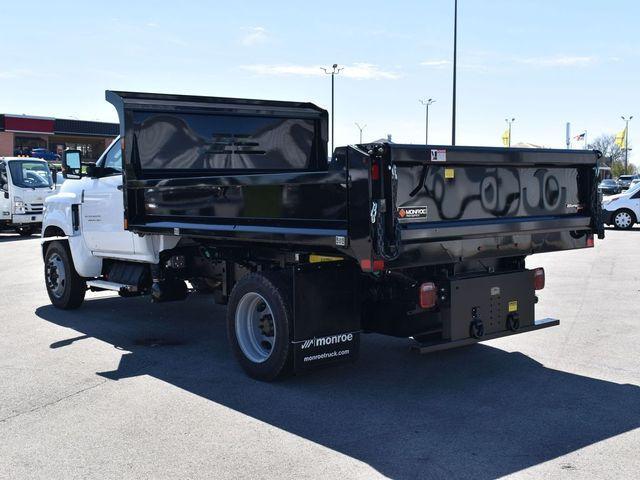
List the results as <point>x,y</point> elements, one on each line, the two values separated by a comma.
<point>123,388</point>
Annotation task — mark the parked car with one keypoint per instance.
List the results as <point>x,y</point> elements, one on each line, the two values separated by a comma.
<point>622,210</point>
<point>44,154</point>
<point>624,181</point>
<point>608,186</point>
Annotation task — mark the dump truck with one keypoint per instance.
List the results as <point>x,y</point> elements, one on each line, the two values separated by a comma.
<point>310,249</point>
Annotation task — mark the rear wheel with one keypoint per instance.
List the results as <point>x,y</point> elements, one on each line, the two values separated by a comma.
<point>624,219</point>
<point>259,319</point>
<point>65,287</point>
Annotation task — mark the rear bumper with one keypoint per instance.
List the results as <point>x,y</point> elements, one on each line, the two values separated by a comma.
<point>446,345</point>
<point>607,217</point>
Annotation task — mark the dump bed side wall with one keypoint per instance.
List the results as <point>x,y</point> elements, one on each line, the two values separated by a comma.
<point>248,170</point>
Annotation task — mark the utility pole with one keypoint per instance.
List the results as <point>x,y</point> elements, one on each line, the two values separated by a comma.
<point>455,57</point>
<point>361,128</point>
<point>509,122</point>
<point>333,72</point>
<point>626,143</point>
<point>426,104</point>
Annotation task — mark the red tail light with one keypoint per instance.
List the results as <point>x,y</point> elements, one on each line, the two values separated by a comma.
<point>538,278</point>
<point>590,242</point>
<point>428,295</point>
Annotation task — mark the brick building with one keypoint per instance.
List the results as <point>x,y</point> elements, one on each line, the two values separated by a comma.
<point>19,134</point>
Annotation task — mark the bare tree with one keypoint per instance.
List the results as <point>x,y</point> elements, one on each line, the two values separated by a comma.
<point>607,145</point>
<point>613,154</point>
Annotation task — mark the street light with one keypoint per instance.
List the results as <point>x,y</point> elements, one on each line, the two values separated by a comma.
<point>361,128</point>
<point>509,122</point>
<point>426,104</point>
<point>626,142</point>
<point>334,71</point>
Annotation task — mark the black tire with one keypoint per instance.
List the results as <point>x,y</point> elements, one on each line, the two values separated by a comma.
<point>623,219</point>
<point>69,292</point>
<point>275,289</point>
<point>24,231</point>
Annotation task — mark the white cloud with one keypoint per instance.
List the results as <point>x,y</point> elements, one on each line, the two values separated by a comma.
<point>436,63</point>
<point>559,61</point>
<point>255,36</point>
<point>358,71</point>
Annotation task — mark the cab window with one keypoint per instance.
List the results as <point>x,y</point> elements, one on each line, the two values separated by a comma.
<point>113,159</point>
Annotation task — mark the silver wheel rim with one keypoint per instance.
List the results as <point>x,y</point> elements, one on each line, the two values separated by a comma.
<point>623,220</point>
<point>56,275</point>
<point>255,327</point>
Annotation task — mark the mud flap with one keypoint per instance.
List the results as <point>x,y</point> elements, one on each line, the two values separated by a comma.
<point>326,314</point>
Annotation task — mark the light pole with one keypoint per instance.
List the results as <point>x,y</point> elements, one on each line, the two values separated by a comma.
<point>626,143</point>
<point>509,122</point>
<point>455,57</point>
<point>426,104</point>
<point>334,71</point>
<point>361,128</point>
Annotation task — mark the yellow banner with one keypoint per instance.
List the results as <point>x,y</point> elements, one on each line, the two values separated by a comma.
<point>505,138</point>
<point>621,138</point>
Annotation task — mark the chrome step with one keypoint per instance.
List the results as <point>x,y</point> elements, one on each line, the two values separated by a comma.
<point>115,286</point>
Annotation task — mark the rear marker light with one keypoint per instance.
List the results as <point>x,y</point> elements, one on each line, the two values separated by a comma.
<point>538,278</point>
<point>367,266</point>
<point>428,295</point>
<point>375,172</point>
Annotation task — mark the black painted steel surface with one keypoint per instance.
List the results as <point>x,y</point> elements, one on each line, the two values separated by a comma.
<point>256,171</point>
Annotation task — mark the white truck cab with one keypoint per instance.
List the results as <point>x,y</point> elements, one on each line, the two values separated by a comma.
<point>622,210</point>
<point>86,220</point>
<point>25,183</point>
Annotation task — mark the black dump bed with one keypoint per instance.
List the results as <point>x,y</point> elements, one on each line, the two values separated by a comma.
<point>256,172</point>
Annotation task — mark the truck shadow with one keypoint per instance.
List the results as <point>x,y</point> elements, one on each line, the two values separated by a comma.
<point>474,413</point>
<point>14,237</point>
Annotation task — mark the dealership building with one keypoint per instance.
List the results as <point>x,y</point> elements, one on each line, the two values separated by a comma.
<point>19,134</point>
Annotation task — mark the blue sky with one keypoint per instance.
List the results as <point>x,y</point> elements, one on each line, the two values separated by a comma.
<point>543,62</point>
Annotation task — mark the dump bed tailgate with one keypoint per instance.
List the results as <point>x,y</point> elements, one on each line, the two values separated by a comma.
<point>445,204</point>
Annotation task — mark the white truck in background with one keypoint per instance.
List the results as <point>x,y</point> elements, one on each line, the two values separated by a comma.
<point>24,185</point>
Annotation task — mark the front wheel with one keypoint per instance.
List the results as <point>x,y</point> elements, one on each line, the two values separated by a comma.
<point>24,231</point>
<point>624,219</point>
<point>65,287</point>
<point>259,319</point>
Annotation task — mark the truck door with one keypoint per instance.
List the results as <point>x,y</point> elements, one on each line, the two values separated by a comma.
<point>103,208</point>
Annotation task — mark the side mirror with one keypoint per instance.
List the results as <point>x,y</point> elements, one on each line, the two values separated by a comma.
<point>72,164</point>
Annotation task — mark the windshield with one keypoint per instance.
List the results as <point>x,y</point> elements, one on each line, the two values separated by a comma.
<point>625,178</point>
<point>633,189</point>
<point>608,182</point>
<point>30,174</point>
